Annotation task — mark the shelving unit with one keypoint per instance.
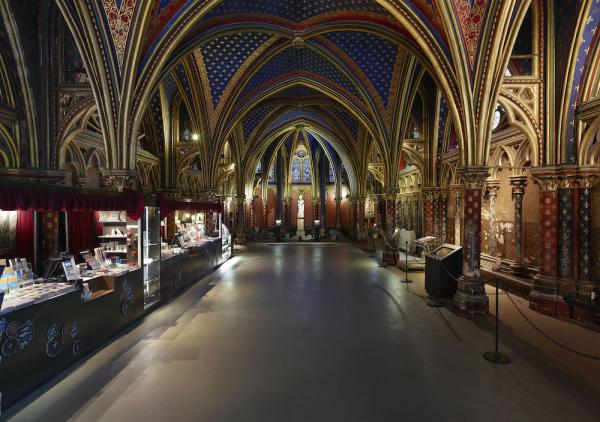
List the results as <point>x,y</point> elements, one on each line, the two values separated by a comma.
<point>122,244</point>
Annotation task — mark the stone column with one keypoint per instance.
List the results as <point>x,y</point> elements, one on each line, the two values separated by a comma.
<point>470,296</point>
<point>544,295</point>
<point>338,202</point>
<point>518,184</point>
<point>493,186</point>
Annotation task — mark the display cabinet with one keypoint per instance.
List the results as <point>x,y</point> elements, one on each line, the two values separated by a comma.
<point>150,246</point>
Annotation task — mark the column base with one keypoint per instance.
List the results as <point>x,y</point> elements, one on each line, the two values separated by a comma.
<point>545,299</point>
<point>470,297</point>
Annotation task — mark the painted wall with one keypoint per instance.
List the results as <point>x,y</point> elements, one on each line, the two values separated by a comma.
<point>505,221</point>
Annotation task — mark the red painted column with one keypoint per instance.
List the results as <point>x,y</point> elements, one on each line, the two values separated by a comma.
<point>353,217</point>
<point>544,296</point>
<point>470,296</point>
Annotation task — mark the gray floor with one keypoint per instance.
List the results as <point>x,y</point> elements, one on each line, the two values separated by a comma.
<point>309,333</point>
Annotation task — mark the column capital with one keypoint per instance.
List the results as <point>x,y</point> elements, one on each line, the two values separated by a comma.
<point>474,177</point>
<point>518,183</point>
<point>552,178</point>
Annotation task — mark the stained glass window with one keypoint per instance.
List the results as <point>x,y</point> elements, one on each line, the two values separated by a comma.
<point>306,173</point>
<point>258,168</point>
<point>272,174</point>
<point>295,170</point>
<point>331,175</point>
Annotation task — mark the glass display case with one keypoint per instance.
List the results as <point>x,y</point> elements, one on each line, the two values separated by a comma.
<point>150,246</point>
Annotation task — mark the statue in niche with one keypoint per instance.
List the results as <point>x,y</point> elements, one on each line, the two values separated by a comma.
<point>301,205</point>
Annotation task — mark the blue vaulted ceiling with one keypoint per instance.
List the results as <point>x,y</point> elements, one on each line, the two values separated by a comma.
<point>296,11</point>
<point>375,55</point>
<point>349,121</point>
<point>290,60</point>
<point>299,113</point>
<point>299,91</point>
<point>224,55</point>
<point>254,118</point>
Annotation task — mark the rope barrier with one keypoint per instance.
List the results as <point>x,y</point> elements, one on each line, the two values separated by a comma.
<point>546,336</point>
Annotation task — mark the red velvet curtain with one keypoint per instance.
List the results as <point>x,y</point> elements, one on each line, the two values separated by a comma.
<point>83,232</point>
<point>25,231</point>
<point>40,199</point>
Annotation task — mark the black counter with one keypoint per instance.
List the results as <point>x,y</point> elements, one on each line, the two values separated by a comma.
<point>64,328</point>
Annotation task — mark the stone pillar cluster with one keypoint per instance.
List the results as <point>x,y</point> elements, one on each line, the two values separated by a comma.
<point>565,225</point>
<point>470,296</point>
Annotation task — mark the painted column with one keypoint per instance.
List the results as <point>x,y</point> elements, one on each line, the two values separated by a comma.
<point>470,296</point>
<point>428,203</point>
<point>353,217</point>
<point>444,215</point>
<point>338,202</point>
<point>493,186</point>
<point>390,214</point>
<point>436,215</point>
<point>240,220</point>
<point>518,184</point>
<point>402,211</point>
<point>544,295</point>
<point>585,285</point>
<point>286,214</point>
<point>565,233</point>
<point>361,214</point>
<point>265,212</point>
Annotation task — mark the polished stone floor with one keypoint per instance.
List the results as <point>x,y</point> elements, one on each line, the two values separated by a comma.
<point>310,333</point>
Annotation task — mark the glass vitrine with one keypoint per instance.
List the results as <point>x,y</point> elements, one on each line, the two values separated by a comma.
<point>150,246</point>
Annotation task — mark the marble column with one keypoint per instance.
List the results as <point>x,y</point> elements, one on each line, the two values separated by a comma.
<point>518,184</point>
<point>493,186</point>
<point>470,296</point>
